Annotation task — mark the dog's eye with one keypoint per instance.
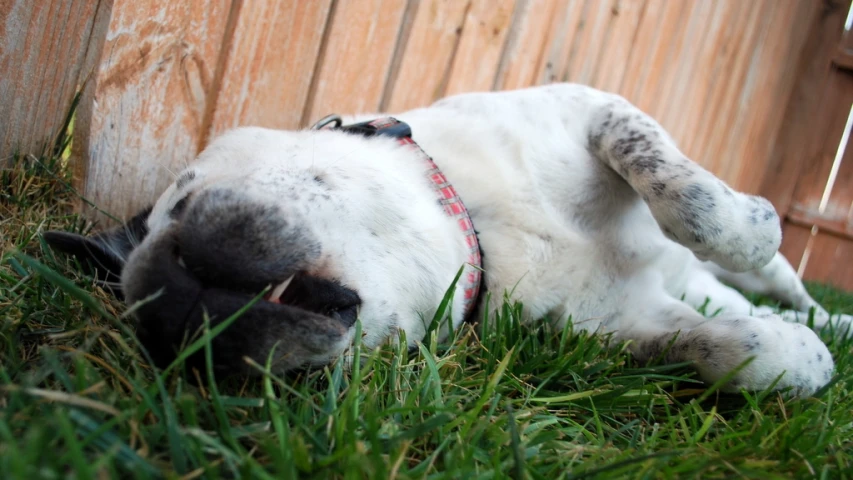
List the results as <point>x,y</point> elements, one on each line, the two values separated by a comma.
<point>179,207</point>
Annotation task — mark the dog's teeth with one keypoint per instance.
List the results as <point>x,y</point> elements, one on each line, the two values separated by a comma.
<point>279,289</point>
<point>181,262</point>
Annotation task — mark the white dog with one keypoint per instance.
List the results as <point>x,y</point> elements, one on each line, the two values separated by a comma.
<point>583,207</point>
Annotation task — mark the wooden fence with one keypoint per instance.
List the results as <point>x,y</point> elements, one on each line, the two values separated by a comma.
<point>725,77</point>
<point>811,181</point>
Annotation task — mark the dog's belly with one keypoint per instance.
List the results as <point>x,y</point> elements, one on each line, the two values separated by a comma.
<point>558,229</point>
<point>561,269</point>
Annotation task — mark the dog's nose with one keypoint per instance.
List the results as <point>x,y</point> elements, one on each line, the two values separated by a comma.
<point>231,241</point>
<point>165,292</point>
<point>173,306</point>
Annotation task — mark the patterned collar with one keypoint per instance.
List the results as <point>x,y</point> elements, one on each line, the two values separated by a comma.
<point>447,196</point>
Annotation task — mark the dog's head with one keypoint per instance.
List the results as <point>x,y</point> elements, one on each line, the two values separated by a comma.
<point>333,226</point>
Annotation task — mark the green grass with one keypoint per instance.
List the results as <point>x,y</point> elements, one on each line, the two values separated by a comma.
<point>79,400</point>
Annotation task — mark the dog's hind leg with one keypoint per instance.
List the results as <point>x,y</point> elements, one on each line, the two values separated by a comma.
<point>764,347</point>
<point>692,207</point>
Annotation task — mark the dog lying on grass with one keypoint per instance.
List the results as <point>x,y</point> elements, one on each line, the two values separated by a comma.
<point>583,208</point>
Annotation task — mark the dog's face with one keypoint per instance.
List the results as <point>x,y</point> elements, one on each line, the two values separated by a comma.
<point>336,226</point>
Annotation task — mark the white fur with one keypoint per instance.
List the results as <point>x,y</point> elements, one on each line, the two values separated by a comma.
<point>555,187</point>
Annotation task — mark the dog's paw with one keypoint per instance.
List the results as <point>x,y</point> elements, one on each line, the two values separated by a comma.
<point>772,346</point>
<point>749,238</point>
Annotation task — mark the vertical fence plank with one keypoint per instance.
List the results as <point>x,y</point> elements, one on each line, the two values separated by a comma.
<point>660,28</point>
<point>749,91</point>
<point>355,60</point>
<point>591,38</point>
<point>837,214</point>
<point>478,56</point>
<point>709,73</point>
<point>829,261</point>
<point>723,131</point>
<point>526,44</point>
<point>835,108</point>
<point>622,31</point>
<point>565,26</point>
<point>637,63</point>
<point>795,240</point>
<point>839,207</point>
<point>425,61</point>
<point>49,49</point>
<point>718,100</point>
<point>154,88</point>
<point>790,155</point>
<point>750,156</point>
<point>679,84</point>
<point>270,64</point>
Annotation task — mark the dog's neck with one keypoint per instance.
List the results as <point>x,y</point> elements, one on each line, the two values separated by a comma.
<point>471,275</point>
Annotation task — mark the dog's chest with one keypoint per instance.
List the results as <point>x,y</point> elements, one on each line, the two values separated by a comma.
<point>551,218</point>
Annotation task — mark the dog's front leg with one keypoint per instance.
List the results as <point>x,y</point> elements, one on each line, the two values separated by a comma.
<point>692,207</point>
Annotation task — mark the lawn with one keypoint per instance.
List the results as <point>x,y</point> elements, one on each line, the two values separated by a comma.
<point>79,400</point>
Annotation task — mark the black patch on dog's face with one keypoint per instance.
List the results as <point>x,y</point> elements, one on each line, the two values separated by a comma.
<point>220,252</point>
<point>230,242</point>
<point>179,207</point>
<point>314,315</point>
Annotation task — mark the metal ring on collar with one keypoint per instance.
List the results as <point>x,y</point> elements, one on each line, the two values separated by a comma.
<point>336,119</point>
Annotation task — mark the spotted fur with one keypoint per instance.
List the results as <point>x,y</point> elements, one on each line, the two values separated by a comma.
<point>584,207</point>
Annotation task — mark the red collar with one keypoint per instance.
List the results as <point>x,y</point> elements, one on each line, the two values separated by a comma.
<point>447,196</point>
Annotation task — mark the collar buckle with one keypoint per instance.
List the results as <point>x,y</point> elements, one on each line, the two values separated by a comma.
<point>386,126</point>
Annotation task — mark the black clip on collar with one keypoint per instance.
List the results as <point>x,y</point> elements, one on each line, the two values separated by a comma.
<point>396,129</point>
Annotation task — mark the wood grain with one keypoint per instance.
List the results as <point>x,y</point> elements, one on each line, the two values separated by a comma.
<point>567,23</point>
<point>731,112</point>
<point>835,108</point>
<point>526,44</point>
<point>681,85</point>
<point>653,64</point>
<point>425,61</point>
<point>49,50</point>
<point>638,65</point>
<point>154,88</point>
<point>814,183</point>
<point>795,240</point>
<point>829,261</point>
<point>591,38</point>
<point>748,156</point>
<point>804,111</point>
<point>270,63</point>
<point>356,58</point>
<point>719,98</point>
<point>622,31</point>
<point>839,208</point>
<point>481,46</point>
<point>829,223</point>
<point>709,73</point>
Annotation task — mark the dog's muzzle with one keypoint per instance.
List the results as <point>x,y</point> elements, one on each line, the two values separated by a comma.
<point>178,288</point>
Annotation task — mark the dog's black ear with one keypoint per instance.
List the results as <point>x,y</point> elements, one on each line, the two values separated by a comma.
<point>103,255</point>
